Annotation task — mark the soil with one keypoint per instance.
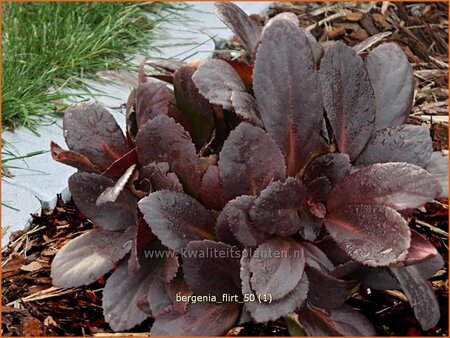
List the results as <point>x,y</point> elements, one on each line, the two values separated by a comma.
<point>33,307</point>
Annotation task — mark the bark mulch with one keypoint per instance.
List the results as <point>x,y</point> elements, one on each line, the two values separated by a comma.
<point>31,306</point>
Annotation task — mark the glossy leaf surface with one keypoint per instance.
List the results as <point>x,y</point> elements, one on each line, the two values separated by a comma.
<point>392,80</point>
<point>86,189</point>
<point>176,218</point>
<point>249,161</point>
<point>240,23</point>
<point>164,140</point>
<point>372,235</point>
<point>288,93</point>
<point>406,143</point>
<point>160,177</point>
<point>348,98</point>
<point>397,185</point>
<point>152,99</point>
<point>92,131</point>
<point>216,80</point>
<point>88,257</point>
<point>275,209</point>
<point>277,267</point>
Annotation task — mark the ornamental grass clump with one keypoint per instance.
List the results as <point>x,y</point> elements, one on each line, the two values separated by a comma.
<point>254,190</point>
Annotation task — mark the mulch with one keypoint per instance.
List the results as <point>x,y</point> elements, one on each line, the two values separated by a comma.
<point>31,306</point>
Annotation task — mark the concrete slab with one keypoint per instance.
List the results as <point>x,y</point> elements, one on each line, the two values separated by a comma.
<point>189,37</point>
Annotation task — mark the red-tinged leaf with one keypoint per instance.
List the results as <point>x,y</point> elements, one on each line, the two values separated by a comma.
<point>275,210</point>
<point>72,159</point>
<point>238,220</point>
<point>92,131</point>
<point>397,185</point>
<point>178,287</point>
<point>420,296</point>
<point>326,291</point>
<point>152,99</point>
<point>163,140</point>
<point>249,161</point>
<point>406,143</point>
<point>392,80</point>
<point>438,166</point>
<point>123,291</point>
<point>216,80</point>
<point>112,216</point>
<point>342,321</point>
<point>162,77</point>
<point>111,194</point>
<point>317,195</point>
<point>201,319</point>
<point>372,235</point>
<point>333,166</point>
<point>169,65</point>
<point>195,107</point>
<point>90,256</point>
<point>348,98</point>
<point>277,267</point>
<point>240,23</point>
<point>288,93</point>
<point>118,167</point>
<point>245,71</point>
<point>176,218</point>
<point>244,106</point>
<point>212,268</point>
<point>420,249</point>
<point>265,311</point>
<point>160,177</point>
<point>211,190</point>
<point>142,238</point>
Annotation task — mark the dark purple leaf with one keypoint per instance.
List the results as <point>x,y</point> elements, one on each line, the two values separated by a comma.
<point>333,166</point>
<point>392,80</point>
<point>333,251</point>
<point>223,231</point>
<point>112,216</point>
<point>275,209</point>
<point>92,131</point>
<point>178,287</point>
<point>397,185</point>
<point>201,319</point>
<point>216,80</point>
<point>406,143</point>
<point>342,321</point>
<point>438,166</point>
<point>164,140</point>
<point>326,291</point>
<point>88,257</point>
<point>152,99</point>
<point>249,161</point>
<point>195,107</point>
<point>212,268</point>
<point>265,311</point>
<point>420,249</point>
<point>118,167</point>
<point>245,71</point>
<point>72,158</point>
<point>176,218</point>
<point>160,177</point>
<point>142,238</point>
<point>244,106</point>
<point>123,291</point>
<point>170,266</point>
<point>111,194</point>
<point>310,225</point>
<point>288,93</point>
<point>211,190</point>
<point>277,267</point>
<point>316,258</point>
<point>348,98</point>
<point>316,197</point>
<point>240,23</point>
<point>420,296</point>
<point>372,235</point>
<point>238,220</point>
<point>170,65</point>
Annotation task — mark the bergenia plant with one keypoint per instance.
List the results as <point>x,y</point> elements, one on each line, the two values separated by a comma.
<point>250,191</point>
